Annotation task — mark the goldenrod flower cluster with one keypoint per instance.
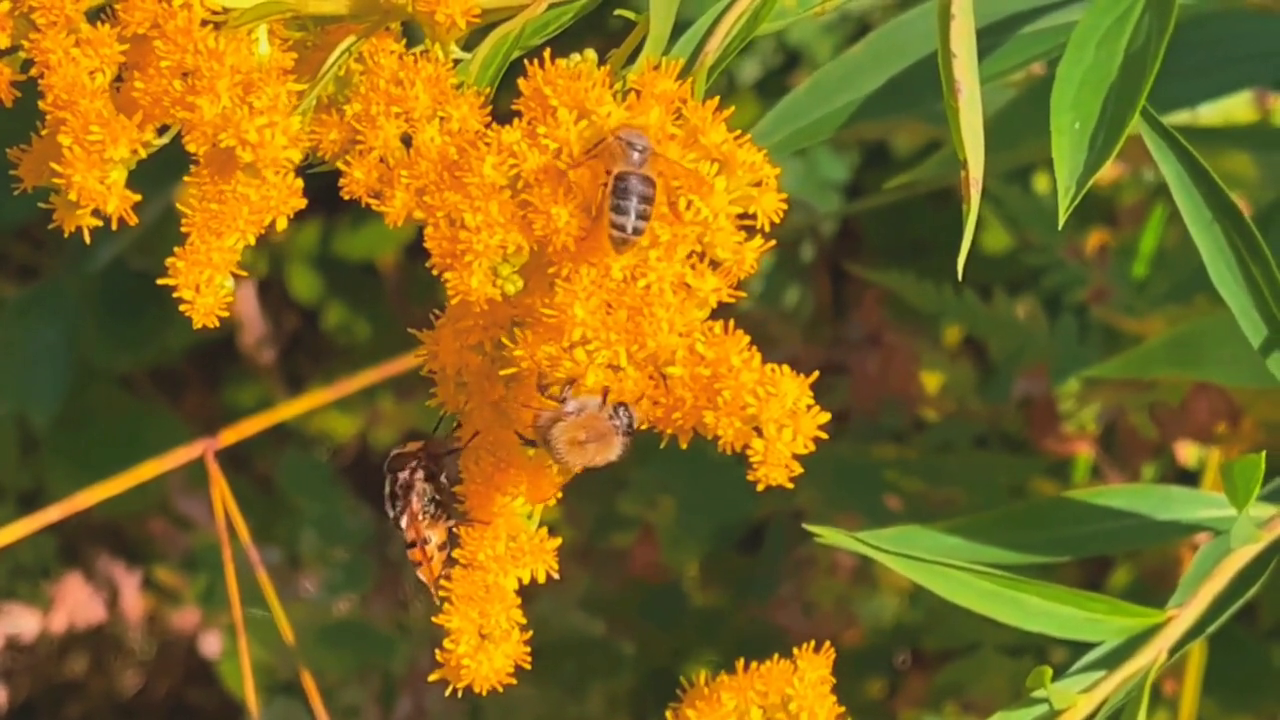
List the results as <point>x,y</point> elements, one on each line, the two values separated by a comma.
<point>115,88</point>
<point>537,293</point>
<point>509,216</point>
<point>777,689</point>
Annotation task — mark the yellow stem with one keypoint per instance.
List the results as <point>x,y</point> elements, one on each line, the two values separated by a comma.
<point>1182,621</point>
<point>309,686</point>
<point>720,34</point>
<point>233,587</point>
<point>170,460</point>
<point>1193,680</point>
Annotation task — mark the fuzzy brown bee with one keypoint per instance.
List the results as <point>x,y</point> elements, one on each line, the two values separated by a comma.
<point>420,478</point>
<point>583,431</point>
<point>631,189</point>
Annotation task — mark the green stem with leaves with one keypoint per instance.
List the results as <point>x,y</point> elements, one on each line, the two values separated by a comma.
<point>1183,619</point>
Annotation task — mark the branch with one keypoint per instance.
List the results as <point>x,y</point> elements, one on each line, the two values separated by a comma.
<point>1184,618</point>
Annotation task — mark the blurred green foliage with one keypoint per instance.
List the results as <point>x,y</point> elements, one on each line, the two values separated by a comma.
<point>1097,353</point>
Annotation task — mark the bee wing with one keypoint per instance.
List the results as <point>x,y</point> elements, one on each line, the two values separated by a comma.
<point>671,166</point>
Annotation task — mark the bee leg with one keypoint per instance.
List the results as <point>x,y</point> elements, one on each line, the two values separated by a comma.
<point>591,151</point>
<point>439,420</point>
<point>464,445</point>
<point>604,396</point>
<point>600,213</point>
<point>527,442</point>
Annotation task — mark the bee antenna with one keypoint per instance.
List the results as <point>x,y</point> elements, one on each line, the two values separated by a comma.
<point>439,420</point>
<point>474,435</point>
<point>604,397</point>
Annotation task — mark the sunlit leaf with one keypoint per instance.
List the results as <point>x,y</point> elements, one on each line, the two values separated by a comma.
<point>1238,261</point>
<point>962,93</point>
<point>1100,85</point>
<point>1032,605</point>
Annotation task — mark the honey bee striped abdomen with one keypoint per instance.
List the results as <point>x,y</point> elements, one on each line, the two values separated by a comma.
<point>631,197</point>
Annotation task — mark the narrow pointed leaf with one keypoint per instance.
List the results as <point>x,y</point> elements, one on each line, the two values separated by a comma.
<point>1139,705</point>
<point>962,91</point>
<point>743,23</point>
<point>1104,520</point>
<point>662,18</point>
<point>490,61</point>
<point>1031,605</point>
<point>687,47</point>
<point>898,50</point>
<point>1211,349</point>
<point>552,22</point>
<point>1106,72</point>
<point>1239,264</point>
<point>1097,662</point>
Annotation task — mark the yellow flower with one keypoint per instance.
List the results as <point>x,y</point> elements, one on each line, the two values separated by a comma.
<point>501,203</point>
<point>9,75</point>
<point>235,98</point>
<point>801,688</point>
<point>445,20</point>
<point>85,146</point>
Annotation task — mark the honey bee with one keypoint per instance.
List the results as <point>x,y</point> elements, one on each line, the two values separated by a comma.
<point>631,189</point>
<point>582,431</point>
<point>420,478</point>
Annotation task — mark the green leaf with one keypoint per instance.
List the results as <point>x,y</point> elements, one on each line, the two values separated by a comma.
<point>1243,532</point>
<point>690,498</point>
<point>1097,662</point>
<point>1040,677</point>
<point>262,12</point>
<point>1239,264</point>
<point>1104,520</point>
<point>690,42</point>
<point>490,60</point>
<point>131,324</point>
<point>904,46</point>
<point>783,16</point>
<point>110,430</point>
<point>371,240</point>
<point>1213,51</point>
<point>786,14</point>
<point>553,22</point>
<point>1106,72</point>
<point>1242,479</point>
<point>1031,605</point>
<point>1211,348</point>
<point>304,282</point>
<point>1138,706</point>
<point>333,65</point>
<point>1060,699</point>
<point>743,22</point>
<point>962,94</point>
<point>662,18</point>
<point>37,351</point>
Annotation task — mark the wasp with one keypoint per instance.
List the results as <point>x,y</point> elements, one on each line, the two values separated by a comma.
<point>582,431</point>
<point>420,479</point>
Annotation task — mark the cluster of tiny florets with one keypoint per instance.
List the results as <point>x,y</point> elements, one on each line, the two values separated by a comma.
<point>509,218</point>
